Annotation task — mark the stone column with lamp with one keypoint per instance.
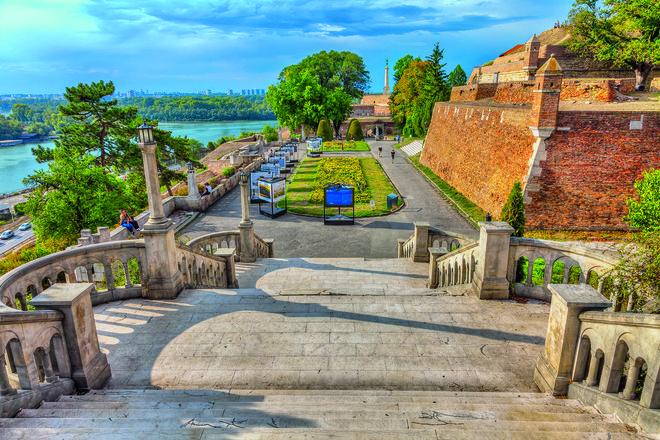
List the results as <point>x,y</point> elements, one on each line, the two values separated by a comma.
<point>165,279</point>
<point>246,226</point>
<point>194,198</point>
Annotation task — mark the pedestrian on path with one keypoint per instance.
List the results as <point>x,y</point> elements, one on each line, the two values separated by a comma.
<point>392,153</point>
<point>380,151</point>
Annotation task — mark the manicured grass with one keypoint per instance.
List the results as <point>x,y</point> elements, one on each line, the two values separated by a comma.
<point>345,146</point>
<point>568,235</point>
<point>300,189</point>
<point>457,199</point>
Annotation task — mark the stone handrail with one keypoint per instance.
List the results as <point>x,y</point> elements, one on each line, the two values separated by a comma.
<point>570,255</point>
<point>231,239</point>
<point>417,245</point>
<point>91,263</point>
<point>201,269</point>
<point>452,268</point>
<point>600,357</point>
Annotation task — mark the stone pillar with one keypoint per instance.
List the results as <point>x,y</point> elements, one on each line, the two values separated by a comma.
<point>421,253</point>
<point>164,277</point>
<point>302,134</point>
<point>279,135</point>
<point>631,381</point>
<point>554,365</point>
<point>230,266</point>
<point>127,275</point>
<point>592,375</point>
<point>5,388</point>
<point>490,274</point>
<point>109,278</point>
<point>246,228</point>
<point>434,253</point>
<point>194,197</point>
<point>400,243</point>
<point>89,366</point>
<point>48,367</point>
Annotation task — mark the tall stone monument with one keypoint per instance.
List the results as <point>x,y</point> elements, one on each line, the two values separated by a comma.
<point>386,89</point>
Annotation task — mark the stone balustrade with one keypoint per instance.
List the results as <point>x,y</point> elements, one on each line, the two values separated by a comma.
<point>201,269</point>
<point>116,269</point>
<point>577,264</point>
<point>417,245</point>
<point>602,358</point>
<point>452,268</point>
<point>210,243</point>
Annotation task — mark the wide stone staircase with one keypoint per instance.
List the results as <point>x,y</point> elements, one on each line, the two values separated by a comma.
<point>319,414</point>
<point>317,349</point>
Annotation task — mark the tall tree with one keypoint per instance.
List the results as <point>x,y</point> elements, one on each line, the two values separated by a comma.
<point>322,85</point>
<point>21,113</point>
<point>513,211</point>
<point>401,65</point>
<point>644,211</point>
<point>626,32</point>
<point>457,77</point>
<point>406,91</point>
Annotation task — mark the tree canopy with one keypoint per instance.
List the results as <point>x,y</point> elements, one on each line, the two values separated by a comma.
<point>513,211</point>
<point>323,85</point>
<point>644,211</point>
<point>625,32</point>
<point>457,77</point>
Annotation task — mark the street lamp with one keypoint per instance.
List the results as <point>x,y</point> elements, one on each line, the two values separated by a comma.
<point>243,178</point>
<point>145,134</point>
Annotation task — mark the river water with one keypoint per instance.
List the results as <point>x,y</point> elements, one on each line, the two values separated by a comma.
<point>17,162</point>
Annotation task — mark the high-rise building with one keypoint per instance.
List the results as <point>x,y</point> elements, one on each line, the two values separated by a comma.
<point>243,92</point>
<point>230,92</point>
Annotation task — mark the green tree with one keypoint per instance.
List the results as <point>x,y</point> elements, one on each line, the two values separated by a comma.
<point>323,85</point>
<point>9,128</point>
<point>625,32</point>
<point>406,91</point>
<point>324,131</point>
<point>513,211</point>
<point>355,131</point>
<point>270,133</point>
<point>21,113</point>
<point>457,77</point>
<point>401,65</point>
<point>644,211</point>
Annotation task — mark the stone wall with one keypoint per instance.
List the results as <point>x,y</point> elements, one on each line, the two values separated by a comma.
<point>655,85</point>
<point>480,151</point>
<point>593,160</point>
<point>375,99</point>
<point>515,92</point>
<point>595,89</point>
<point>473,92</point>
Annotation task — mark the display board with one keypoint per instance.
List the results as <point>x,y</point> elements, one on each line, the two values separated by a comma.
<point>338,195</point>
<point>277,160</point>
<point>271,192</point>
<point>273,169</point>
<point>314,144</point>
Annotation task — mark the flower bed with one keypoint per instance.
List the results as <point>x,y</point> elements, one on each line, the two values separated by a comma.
<point>340,169</point>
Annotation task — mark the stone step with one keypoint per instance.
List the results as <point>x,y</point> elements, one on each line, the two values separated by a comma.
<point>236,411</point>
<point>266,422</point>
<point>316,434</point>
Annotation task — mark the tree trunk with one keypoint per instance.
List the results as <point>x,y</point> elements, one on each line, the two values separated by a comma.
<point>169,190</point>
<point>642,72</point>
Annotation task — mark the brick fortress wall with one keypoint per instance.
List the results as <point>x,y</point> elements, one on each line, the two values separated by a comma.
<point>593,160</point>
<point>481,151</point>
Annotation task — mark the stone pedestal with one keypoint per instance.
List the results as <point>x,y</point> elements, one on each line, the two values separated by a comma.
<point>421,243</point>
<point>89,366</point>
<point>246,229</point>
<point>554,365</point>
<point>490,274</point>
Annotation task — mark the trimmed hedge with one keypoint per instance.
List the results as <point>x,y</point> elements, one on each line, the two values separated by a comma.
<point>355,131</point>
<point>324,131</point>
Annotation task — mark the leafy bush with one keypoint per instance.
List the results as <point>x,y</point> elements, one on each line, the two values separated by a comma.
<point>214,182</point>
<point>644,212</point>
<point>513,211</point>
<point>489,63</point>
<point>355,131</point>
<point>229,171</point>
<point>270,133</point>
<point>324,131</point>
<point>19,208</point>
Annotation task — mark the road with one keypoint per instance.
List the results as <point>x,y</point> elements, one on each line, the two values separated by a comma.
<point>19,238</point>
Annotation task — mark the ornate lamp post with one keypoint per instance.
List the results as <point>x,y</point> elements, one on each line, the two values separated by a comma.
<point>194,198</point>
<point>246,226</point>
<point>165,280</point>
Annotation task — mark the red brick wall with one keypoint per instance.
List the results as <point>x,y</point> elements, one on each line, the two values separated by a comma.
<point>591,168</point>
<point>515,92</point>
<point>376,99</point>
<point>655,85</point>
<point>473,92</point>
<point>480,151</point>
<point>381,110</point>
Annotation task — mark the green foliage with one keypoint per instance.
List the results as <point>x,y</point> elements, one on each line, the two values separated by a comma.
<point>625,32</point>
<point>400,66</point>
<point>229,171</point>
<point>324,131</point>
<point>323,85</point>
<point>19,208</point>
<point>644,211</point>
<point>457,77</point>
<point>488,63</point>
<point>246,133</point>
<point>39,128</point>
<point>202,108</point>
<point>9,128</point>
<point>41,249</point>
<point>270,133</point>
<point>513,211</point>
<point>355,131</point>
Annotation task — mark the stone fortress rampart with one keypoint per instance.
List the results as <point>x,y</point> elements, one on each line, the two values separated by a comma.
<point>575,148</point>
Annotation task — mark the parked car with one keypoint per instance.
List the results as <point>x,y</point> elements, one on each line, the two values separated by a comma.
<point>7,235</point>
<point>25,226</point>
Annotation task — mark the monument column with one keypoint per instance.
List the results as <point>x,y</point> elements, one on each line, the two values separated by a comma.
<point>165,280</point>
<point>246,226</point>
<point>194,198</point>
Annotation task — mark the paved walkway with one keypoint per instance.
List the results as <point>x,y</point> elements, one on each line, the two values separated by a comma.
<point>376,237</point>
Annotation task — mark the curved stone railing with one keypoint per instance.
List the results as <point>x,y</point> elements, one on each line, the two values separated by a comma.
<point>453,268</point>
<point>210,243</point>
<point>417,246</point>
<point>572,257</point>
<point>200,269</point>
<point>93,263</point>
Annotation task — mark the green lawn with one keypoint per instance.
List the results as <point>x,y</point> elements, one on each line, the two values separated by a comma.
<point>345,146</point>
<point>299,190</point>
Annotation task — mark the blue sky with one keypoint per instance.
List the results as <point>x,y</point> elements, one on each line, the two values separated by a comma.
<point>192,45</point>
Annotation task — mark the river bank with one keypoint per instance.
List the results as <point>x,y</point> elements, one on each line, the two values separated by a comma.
<point>16,162</point>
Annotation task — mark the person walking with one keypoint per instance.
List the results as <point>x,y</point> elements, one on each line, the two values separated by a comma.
<point>380,151</point>
<point>392,154</point>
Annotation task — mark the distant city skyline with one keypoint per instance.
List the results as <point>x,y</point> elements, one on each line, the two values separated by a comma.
<point>159,45</point>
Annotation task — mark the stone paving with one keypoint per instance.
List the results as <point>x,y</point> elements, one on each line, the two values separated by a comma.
<point>405,337</point>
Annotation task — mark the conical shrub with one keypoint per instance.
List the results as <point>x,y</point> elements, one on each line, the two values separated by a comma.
<point>513,211</point>
<point>355,131</point>
<point>324,131</point>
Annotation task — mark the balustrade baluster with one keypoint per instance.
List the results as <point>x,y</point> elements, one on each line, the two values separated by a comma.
<point>5,387</point>
<point>48,366</point>
<point>592,377</point>
<point>630,390</point>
